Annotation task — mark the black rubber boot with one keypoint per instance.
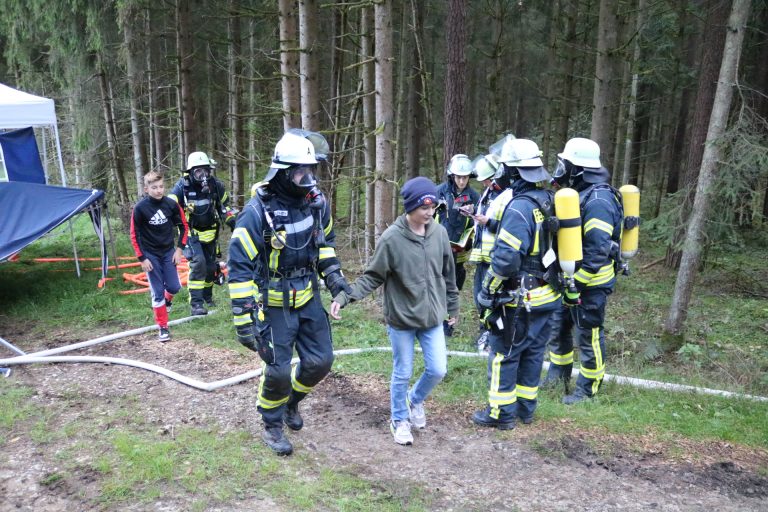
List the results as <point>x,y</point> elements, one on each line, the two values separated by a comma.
<point>484,419</point>
<point>576,397</point>
<point>199,310</point>
<point>274,438</point>
<point>292,417</point>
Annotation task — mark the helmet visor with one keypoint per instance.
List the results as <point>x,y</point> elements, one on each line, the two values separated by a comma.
<point>200,173</point>
<point>302,176</point>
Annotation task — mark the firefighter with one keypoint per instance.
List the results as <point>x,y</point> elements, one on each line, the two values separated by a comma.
<point>282,243</point>
<point>206,204</point>
<point>490,206</point>
<point>601,217</point>
<point>519,291</point>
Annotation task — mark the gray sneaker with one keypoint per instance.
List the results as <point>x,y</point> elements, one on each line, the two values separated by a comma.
<point>401,431</point>
<point>417,415</point>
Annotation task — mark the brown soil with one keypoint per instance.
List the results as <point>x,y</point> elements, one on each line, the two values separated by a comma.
<point>544,466</point>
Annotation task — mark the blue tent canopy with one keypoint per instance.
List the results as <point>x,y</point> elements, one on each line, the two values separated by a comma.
<point>30,210</point>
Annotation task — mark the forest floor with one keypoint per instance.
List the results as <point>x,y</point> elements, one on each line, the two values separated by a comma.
<point>452,465</point>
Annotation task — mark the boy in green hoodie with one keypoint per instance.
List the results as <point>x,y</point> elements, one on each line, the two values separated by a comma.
<point>414,262</point>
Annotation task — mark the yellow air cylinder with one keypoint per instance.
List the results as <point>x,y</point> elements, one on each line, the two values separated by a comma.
<point>631,233</point>
<point>569,233</point>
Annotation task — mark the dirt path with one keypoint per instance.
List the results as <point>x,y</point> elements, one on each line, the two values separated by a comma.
<point>544,466</point>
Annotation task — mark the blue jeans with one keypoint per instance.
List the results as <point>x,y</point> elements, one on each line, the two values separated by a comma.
<point>432,343</point>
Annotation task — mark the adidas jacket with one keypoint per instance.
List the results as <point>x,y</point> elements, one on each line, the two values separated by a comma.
<point>153,226</point>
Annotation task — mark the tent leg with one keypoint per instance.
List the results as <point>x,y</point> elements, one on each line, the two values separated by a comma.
<point>111,238</point>
<point>74,247</point>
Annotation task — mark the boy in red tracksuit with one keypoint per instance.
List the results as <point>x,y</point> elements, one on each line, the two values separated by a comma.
<point>154,222</point>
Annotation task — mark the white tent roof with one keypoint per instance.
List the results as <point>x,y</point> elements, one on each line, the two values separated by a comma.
<point>19,109</point>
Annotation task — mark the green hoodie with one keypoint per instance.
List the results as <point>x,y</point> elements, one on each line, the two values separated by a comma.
<point>417,273</point>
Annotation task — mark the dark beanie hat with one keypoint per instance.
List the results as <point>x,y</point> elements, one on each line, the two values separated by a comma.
<point>417,192</point>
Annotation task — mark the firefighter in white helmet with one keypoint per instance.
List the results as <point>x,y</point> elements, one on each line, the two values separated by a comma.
<point>205,202</point>
<point>282,244</point>
<point>584,312</point>
<point>456,204</point>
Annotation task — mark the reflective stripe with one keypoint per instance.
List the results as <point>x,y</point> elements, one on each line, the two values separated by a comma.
<point>296,385</point>
<point>561,360</point>
<point>209,284</point>
<point>539,297</point>
<point>242,235</point>
<point>264,402</point>
<point>327,229</point>
<point>195,285</point>
<point>604,275</point>
<point>509,239</point>
<point>241,290</point>
<point>200,202</point>
<point>590,374</point>
<point>242,319</point>
<point>536,236</point>
<point>205,236</point>
<point>596,347</point>
<point>298,227</point>
<point>598,224</point>
<point>327,252</point>
<point>174,197</point>
<point>274,258</point>
<point>498,398</point>
<point>275,297</point>
<point>527,392</point>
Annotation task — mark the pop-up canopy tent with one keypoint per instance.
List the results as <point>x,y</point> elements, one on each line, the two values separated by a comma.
<point>20,110</point>
<point>30,210</point>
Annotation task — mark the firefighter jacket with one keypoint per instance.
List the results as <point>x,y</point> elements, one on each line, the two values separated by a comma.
<point>485,236</point>
<point>278,247</point>
<point>204,210</point>
<point>448,215</point>
<point>601,220</point>
<point>517,258</point>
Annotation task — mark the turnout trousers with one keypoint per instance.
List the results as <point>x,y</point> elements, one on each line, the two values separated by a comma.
<point>307,329</point>
<point>586,322</point>
<point>202,267</point>
<point>514,371</point>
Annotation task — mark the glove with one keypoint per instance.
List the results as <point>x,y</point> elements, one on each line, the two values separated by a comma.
<point>246,337</point>
<point>486,300</point>
<point>230,222</point>
<point>571,297</point>
<point>336,284</point>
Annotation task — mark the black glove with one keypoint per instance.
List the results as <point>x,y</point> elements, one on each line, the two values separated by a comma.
<point>571,297</point>
<point>486,300</point>
<point>231,221</point>
<point>246,337</point>
<point>336,284</point>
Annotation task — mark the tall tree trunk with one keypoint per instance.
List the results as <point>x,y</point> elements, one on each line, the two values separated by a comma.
<point>384,114</point>
<point>569,67</point>
<point>289,65</point>
<point>415,128</point>
<point>549,87</point>
<point>694,238</point>
<point>235,119</point>
<point>185,56</point>
<point>156,106</point>
<point>421,64</point>
<point>310,98</point>
<point>129,16</point>
<point>607,78</point>
<point>711,56</point>
<point>114,153</point>
<point>633,92</point>
<point>250,131</point>
<point>369,125</point>
<point>454,129</point>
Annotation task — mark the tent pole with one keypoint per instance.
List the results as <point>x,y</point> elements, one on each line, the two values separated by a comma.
<point>74,247</point>
<point>45,154</point>
<point>111,238</point>
<point>58,153</point>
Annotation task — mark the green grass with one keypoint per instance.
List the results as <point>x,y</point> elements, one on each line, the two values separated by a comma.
<point>15,407</point>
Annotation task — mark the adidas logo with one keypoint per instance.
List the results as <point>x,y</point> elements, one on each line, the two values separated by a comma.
<point>158,218</point>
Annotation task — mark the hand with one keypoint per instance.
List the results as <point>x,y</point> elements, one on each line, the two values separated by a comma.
<point>452,320</point>
<point>230,222</point>
<point>176,259</point>
<point>246,337</point>
<point>571,297</point>
<point>337,284</point>
<point>486,300</point>
<point>335,310</point>
<point>146,266</point>
<point>480,219</point>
